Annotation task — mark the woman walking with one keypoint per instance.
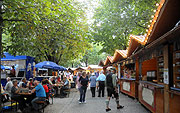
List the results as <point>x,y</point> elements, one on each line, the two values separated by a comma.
<point>84,84</point>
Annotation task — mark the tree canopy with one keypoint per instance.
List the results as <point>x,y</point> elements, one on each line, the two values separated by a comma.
<point>115,20</point>
<point>53,30</point>
<point>58,30</point>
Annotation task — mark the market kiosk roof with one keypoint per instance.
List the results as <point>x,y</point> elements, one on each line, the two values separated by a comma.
<point>108,60</point>
<point>81,68</point>
<point>119,55</point>
<point>101,63</point>
<point>9,57</point>
<point>94,67</point>
<point>134,42</point>
<point>165,19</point>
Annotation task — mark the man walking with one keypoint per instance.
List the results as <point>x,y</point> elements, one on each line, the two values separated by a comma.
<point>101,79</point>
<point>92,80</point>
<point>111,84</point>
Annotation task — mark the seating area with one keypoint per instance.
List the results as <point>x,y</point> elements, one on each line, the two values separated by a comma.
<point>27,94</point>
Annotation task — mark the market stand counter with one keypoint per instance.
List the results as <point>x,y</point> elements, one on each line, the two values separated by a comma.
<point>128,86</point>
<point>151,95</point>
<point>174,100</point>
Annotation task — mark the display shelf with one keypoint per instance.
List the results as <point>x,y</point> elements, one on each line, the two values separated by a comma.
<point>160,56</point>
<point>160,60</point>
<point>178,51</point>
<point>176,68</point>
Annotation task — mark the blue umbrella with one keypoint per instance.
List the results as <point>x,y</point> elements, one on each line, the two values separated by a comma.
<point>58,68</point>
<point>2,67</point>
<point>47,64</point>
<point>65,69</point>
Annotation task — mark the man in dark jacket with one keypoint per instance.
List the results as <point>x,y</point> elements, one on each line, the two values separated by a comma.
<point>111,84</point>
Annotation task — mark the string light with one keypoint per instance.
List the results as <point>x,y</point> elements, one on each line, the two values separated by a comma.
<point>152,16</point>
<point>157,4</point>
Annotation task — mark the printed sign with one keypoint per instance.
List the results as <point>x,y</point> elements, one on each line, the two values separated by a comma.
<point>126,86</point>
<point>166,76</point>
<point>148,96</point>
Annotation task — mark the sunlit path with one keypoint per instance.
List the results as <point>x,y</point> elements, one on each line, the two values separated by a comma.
<point>93,105</point>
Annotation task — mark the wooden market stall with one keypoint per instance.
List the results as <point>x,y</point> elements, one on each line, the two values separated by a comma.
<point>129,78</point>
<point>159,89</point>
<point>155,58</point>
<point>94,68</point>
<point>79,69</point>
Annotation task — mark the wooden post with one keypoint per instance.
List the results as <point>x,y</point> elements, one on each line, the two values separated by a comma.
<point>166,86</point>
<point>104,69</point>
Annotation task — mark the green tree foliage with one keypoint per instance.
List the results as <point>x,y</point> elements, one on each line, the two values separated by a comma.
<point>115,20</point>
<point>53,30</point>
<point>93,55</point>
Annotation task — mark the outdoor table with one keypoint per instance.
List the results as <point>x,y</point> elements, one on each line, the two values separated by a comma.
<point>29,96</point>
<point>58,86</point>
<point>25,94</point>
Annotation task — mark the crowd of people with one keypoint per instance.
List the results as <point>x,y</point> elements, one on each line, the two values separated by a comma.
<point>99,82</point>
<point>41,91</point>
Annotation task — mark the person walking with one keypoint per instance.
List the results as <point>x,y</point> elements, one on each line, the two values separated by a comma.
<point>84,84</point>
<point>92,80</point>
<point>78,83</point>
<point>111,84</point>
<point>101,79</point>
<point>8,86</point>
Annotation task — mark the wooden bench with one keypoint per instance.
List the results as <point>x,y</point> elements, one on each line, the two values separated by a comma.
<point>67,91</point>
<point>13,101</point>
<point>43,103</point>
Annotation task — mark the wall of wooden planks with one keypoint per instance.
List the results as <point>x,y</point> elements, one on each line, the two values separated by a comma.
<point>149,65</point>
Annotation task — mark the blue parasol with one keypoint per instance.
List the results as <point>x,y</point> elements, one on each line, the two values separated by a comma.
<point>2,67</point>
<point>47,64</point>
<point>59,68</point>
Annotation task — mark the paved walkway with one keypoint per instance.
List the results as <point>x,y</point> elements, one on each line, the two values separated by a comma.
<point>93,105</point>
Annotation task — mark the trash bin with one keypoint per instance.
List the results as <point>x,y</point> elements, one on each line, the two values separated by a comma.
<point>73,85</point>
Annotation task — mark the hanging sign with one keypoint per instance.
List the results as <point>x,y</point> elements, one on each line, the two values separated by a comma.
<point>166,76</point>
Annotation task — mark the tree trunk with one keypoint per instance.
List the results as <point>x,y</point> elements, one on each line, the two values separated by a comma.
<point>86,62</point>
<point>1,31</point>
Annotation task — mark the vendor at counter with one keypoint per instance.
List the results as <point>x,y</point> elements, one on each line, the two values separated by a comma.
<point>129,73</point>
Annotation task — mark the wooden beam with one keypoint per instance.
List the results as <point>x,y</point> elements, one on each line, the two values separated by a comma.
<point>166,86</point>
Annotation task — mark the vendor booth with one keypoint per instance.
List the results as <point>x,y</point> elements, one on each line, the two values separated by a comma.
<point>159,89</point>
<point>24,66</point>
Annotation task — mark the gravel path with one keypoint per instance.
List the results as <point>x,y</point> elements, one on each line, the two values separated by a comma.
<point>93,105</point>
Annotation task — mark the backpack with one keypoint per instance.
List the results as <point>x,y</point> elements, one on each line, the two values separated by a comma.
<point>109,81</point>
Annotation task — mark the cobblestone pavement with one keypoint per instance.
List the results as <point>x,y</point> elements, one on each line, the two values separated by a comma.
<point>93,105</point>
